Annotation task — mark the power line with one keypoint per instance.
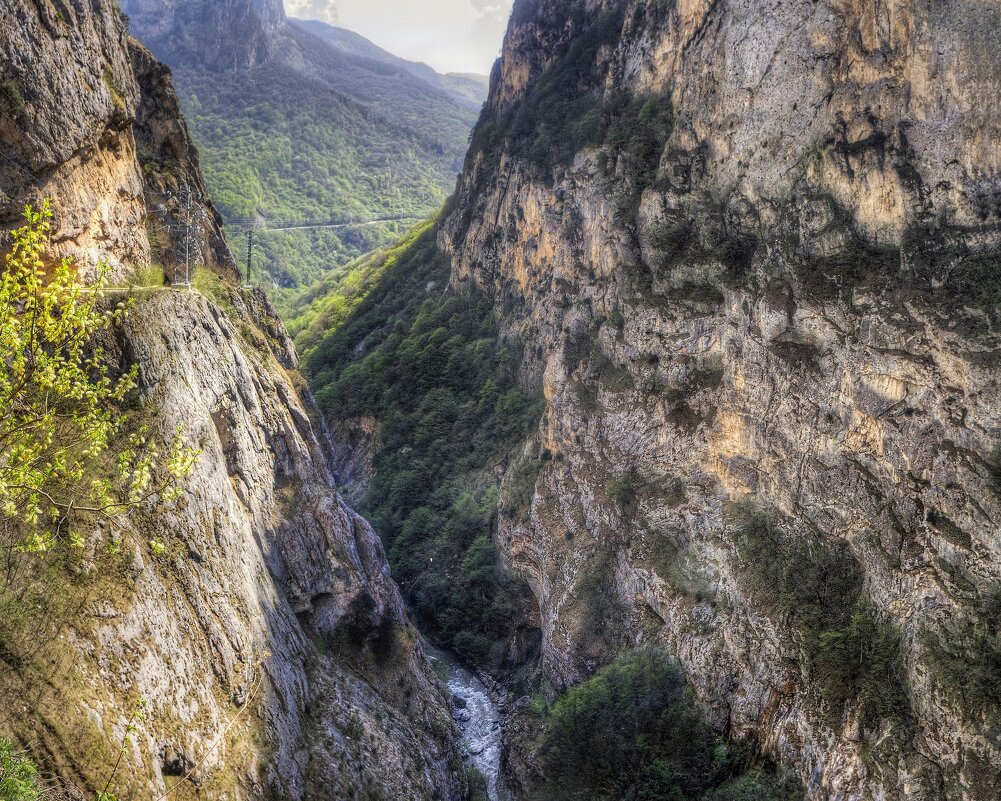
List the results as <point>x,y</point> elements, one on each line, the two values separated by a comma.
<point>250,254</point>
<point>262,227</point>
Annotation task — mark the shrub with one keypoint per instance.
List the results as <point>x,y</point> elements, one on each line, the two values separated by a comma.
<point>11,98</point>
<point>602,611</point>
<point>846,652</point>
<point>477,784</point>
<point>63,408</point>
<point>759,785</point>
<point>18,775</point>
<point>633,731</point>
<point>624,490</point>
<point>520,488</point>
<point>965,656</point>
<point>949,530</point>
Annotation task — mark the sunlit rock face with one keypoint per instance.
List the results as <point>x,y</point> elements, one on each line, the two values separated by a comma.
<point>67,103</point>
<point>773,291</point>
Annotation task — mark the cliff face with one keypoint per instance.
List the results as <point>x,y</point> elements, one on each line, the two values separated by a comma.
<point>269,645</point>
<point>760,283</point>
<point>232,34</point>
<point>65,132</point>
<point>273,594</point>
<point>183,228</point>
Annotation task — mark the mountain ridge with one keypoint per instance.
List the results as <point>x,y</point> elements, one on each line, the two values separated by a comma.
<point>467,87</point>
<point>293,129</point>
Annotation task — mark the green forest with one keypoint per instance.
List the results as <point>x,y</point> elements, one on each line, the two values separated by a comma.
<point>280,148</point>
<point>441,384</point>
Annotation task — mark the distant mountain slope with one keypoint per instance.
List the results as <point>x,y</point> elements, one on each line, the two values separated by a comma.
<point>293,129</point>
<point>466,88</point>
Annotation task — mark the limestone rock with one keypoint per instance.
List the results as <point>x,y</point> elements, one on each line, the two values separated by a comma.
<point>791,304</point>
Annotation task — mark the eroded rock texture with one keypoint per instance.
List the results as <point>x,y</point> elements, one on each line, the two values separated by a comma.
<point>67,102</point>
<point>762,285</point>
<point>269,645</point>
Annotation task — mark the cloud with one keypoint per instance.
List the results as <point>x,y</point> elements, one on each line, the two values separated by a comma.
<point>325,10</point>
<point>491,8</point>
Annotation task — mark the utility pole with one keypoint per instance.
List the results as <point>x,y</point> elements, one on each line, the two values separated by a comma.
<point>250,254</point>
<point>187,236</point>
<point>190,220</point>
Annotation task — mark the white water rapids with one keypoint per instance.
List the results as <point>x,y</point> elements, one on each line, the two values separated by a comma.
<point>478,721</point>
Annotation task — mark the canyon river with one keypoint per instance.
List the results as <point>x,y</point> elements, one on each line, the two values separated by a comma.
<point>478,720</point>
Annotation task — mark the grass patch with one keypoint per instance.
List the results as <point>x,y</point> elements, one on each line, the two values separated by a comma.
<point>151,276</point>
<point>117,95</point>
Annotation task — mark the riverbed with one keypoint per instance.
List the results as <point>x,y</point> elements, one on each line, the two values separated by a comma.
<point>478,720</point>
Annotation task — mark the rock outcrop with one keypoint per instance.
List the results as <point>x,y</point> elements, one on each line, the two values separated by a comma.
<point>67,103</point>
<point>184,228</point>
<point>268,645</point>
<point>756,262</point>
<point>214,35</point>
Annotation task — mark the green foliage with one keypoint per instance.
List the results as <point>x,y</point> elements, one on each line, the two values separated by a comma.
<point>61,408</point>
<point>561,111</point>
<point>328,304</point>
<point>759,785</point>
<point>11,98</point>
<point>426,362</point>
<point>477,784</point>
<point>76,452</point>
<point>846,653</point>
<point>634,733</point>
<point>151,276</point>
<point>624,490</point>
<point>634,140</point>
<point>965,656</point>
<point>209,284</point>
<point>601,610</point>
<point>294,149</point>
<point>117,95</point>
<point>18,775</point>
<point>519,488</point>
<point>135,722</point>
<point>565,109</point>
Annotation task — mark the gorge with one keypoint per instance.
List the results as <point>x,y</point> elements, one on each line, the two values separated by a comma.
<point>679,425</point>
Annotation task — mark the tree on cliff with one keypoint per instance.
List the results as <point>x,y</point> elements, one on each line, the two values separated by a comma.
<point>61,409</point>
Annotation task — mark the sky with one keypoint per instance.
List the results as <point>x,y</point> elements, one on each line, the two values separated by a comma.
<point>450,35</point>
